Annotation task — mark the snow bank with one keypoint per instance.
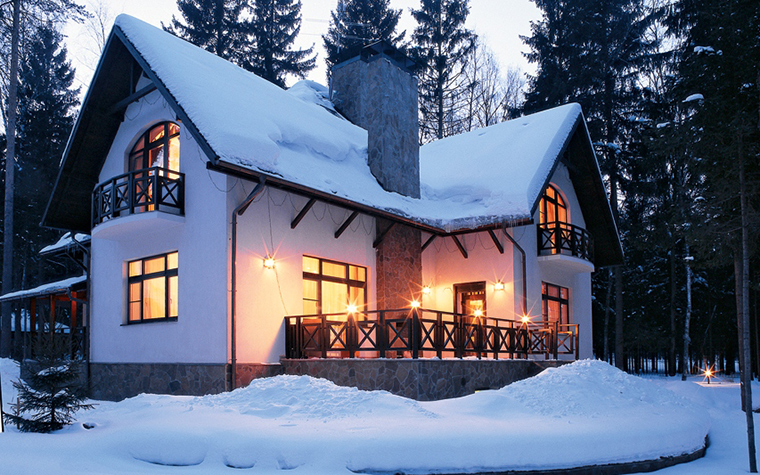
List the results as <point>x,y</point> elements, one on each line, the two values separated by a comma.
<point>9,372</point>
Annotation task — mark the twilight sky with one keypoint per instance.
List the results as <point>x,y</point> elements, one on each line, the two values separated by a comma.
<point>498,22</point>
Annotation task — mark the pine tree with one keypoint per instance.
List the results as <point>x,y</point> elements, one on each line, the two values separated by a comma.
<point>357,23</point>
<point>591,52</point>
<point>217,26</point>
<point>51,396</point>
<point>275,25</point>
<point>46,109</point>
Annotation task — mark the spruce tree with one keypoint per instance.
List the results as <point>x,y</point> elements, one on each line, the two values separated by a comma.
<point>217,26</point>
<point>52,394</point>
<point>275,25</point>
<point>47,101</point>
<point>441,45</point>
<point>357,23</point>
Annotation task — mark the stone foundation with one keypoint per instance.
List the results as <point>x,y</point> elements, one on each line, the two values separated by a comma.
<point>422,379</point>
<point>117,381</point>
<point>247,372</point>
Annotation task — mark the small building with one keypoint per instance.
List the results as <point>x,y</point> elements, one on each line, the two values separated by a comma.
<point>240,230</point>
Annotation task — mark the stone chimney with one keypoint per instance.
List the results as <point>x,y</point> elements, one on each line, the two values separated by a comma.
<point>376,90</point>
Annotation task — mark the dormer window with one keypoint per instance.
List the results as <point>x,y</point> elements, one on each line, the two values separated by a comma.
<point>157,147</point>
<point>553,208</point>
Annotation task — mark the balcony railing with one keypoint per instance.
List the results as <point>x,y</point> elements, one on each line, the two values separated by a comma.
<point>565,238</point>
<point>139,191</point>
<point>419,333</point>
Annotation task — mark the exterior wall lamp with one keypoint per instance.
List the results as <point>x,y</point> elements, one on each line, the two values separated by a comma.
<point>269,262</point>
<point>499,285</point>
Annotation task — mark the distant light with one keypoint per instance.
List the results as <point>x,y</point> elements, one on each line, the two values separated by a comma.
<point>525,319</point>
<point>498,285</point>
<point>352,308</point>
<point>478,312</point>
<point>426,290</point>
<point>269,262</point>
<point>415,304</point>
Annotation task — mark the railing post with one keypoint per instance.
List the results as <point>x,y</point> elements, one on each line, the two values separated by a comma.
<point>555,339</point>
<point>382,335</point>
<point>557,238</point>
<point>479,337</point>
<point>575,340</point>
<point>439,335</point>
<point>325,336</point>
<point>458,337</point>
<point>351,338</point>
<point>415,333</point>
<point>300,351</point>
<point>496,343</point>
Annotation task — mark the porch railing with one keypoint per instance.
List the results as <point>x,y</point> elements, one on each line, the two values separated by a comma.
<point>139,191</point>
<point>564,238</point>
<point>420,333</point>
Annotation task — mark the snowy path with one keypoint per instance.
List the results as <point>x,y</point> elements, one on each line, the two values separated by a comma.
<point>581,414</point>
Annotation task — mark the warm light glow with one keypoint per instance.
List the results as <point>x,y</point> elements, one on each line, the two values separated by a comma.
<point>352,308</point>
<point>525,319</point>
<point>498,285</point>
<point>269,262</point>
<point>478,312</point>
<point>415,304</point>
<point>426,290</point>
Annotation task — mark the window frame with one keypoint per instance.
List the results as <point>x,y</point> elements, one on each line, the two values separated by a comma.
<point>167,275</point>
<point>558,202</point>
<point>147,146</point>
<point>564,303</point>
<point>320,277</point>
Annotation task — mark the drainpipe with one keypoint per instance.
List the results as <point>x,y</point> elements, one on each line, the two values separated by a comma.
<point>86,324</point>
<point>233,280</point>
<point>524,272</point>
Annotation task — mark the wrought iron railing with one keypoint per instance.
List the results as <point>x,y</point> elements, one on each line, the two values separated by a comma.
<point>420,333</point>
<point>564,238</point>
<point>139,191</point>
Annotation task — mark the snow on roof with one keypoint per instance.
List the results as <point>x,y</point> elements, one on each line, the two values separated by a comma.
<point>487,176</point>
<point>65,241</point>
<point>49,288</point>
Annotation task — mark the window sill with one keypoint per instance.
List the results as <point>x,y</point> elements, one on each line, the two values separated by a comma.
<point>153,320</point>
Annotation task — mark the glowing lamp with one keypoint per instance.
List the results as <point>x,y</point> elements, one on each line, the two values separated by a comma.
<point>426,290</point>
<point>269,262</point>
<point>415,304</point>
<point>498,285</point>
<point>352,308</point>
<point>478,312</point>
<point>525,319</point>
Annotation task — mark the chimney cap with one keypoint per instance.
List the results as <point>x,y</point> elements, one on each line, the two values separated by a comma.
<point>380,49</point>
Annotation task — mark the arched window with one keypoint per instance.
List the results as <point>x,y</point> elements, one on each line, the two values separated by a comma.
<point>158,147</point>
<point>553,208</point>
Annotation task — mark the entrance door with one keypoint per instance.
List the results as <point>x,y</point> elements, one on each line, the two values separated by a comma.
<point>471,298</point>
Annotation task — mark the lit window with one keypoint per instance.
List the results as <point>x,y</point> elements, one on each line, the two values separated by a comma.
<point>153,288</point>
<point>555,303</point>
<point>157,147</point>
<point>331,287</point>
<point>553,208</point>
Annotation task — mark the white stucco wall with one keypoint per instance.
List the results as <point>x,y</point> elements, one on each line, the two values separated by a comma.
<point>200,333</point>
<point>266,296</point>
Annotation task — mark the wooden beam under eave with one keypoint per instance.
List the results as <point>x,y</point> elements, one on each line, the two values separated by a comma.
<point>460,246</point>
<point>135,96</point>
<point>302,213</point>
<point>496,241</point>
<point>382,235</point>
<point>346,224</point>
<point>429,242</point>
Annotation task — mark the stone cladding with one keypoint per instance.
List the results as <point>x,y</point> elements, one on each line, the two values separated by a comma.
<point>247,372</point>
<point>421,379</point>
<point>399,267</point>
<point>117,381</point>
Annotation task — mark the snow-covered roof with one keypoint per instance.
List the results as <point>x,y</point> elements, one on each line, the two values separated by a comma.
<point>483,177</point>
<point>45,289</point>
<point>64,242</point>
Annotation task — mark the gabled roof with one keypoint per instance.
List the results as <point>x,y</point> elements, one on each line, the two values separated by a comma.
<point>244,123</point>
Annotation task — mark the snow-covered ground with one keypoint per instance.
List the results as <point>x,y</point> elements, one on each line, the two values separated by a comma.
<point>580,414</point>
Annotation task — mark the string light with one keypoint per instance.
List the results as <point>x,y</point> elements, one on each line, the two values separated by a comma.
<point>415,304</point>
<point>426,290</point>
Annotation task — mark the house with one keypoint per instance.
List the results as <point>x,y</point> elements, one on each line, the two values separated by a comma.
<point>239,230</point>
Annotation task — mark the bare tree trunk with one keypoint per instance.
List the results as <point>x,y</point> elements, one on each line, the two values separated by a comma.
<point>744,342</point>
<point>672,352</point>
<point>10,161</point>
<point>620,360</point>
<point>607,357</point>
<point>687,317</point>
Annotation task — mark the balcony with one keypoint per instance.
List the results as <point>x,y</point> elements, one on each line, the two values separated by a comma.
<point>557,238</point>
<point>139,191</point>
<point>419,333</point>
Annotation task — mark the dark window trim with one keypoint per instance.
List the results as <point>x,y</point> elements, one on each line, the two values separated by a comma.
<point>545,297</point>
<point>148,146</point>
<point>556,203</point>
<point>337,280</point>
<point>166,273</point>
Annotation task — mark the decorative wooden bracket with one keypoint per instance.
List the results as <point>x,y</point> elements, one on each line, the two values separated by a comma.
<point>302,213</point>
<point>382,235</point>
<point>137,95</point>
<point>346,224</point>
<point>429,241</point>
<point>460,246</point>
<point>496,241</point>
